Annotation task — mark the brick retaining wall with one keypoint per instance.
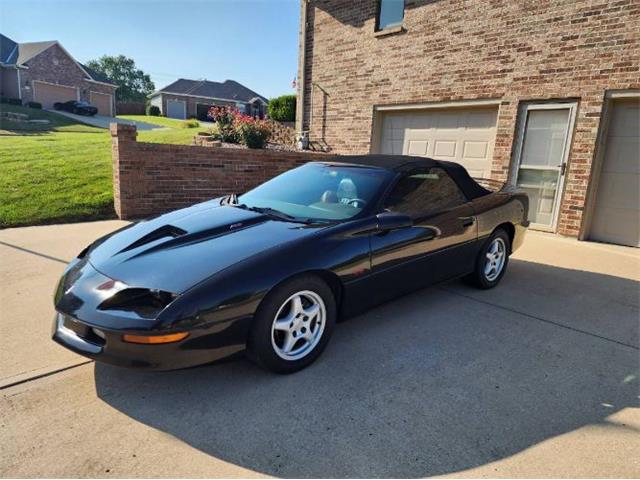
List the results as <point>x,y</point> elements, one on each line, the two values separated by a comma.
<point>153,178</point>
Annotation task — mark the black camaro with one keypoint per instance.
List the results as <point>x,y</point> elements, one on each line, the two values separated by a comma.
<point>77,107</point>
<point>270,271</point>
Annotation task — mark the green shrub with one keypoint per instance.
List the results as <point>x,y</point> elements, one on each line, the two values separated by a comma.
<point>37,105</point>
<point>282,108</point>
<point>191,123</point>
<point>153,110</point>
<point>10,101</point>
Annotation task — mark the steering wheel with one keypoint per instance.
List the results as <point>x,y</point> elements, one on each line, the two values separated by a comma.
<point>354,202</point>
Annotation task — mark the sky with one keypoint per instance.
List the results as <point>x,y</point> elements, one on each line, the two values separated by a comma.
<point>254,42</point>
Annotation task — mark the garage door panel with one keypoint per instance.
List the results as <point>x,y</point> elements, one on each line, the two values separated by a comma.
<point>418,147</point>
<point>445,148</point>
<point>626,121</point>
<point>616,216</point>
<point>176,109</point>
<point>465,136</point>
<point>475,150</point>
<point>618,154</point>
<point>619,190</point>
<point>481,120</point>
<point>618,226</point>
<point>48,94</point>
<point>102,101</point>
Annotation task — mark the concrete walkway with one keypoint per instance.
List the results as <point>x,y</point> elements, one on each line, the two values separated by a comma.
<point>102,121</point>
<point>536,378</point>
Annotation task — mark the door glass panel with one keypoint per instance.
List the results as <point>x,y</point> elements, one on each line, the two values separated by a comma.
<point>542,187</point>
<point>543,151</point>
<point>544,138</point>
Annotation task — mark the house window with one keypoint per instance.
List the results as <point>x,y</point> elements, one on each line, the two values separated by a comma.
<point>390,14</point>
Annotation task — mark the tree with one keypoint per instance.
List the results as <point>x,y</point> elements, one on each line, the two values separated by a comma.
<point>282,108</point>
<point>133,84</point>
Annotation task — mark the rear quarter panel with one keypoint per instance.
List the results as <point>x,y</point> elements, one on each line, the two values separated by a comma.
<point>507,206</point>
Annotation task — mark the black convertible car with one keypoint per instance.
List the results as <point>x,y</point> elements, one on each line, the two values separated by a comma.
<point>77,107</point>
<point>272,270</point>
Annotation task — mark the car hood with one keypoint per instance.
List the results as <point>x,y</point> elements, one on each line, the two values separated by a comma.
<point>178,250</point>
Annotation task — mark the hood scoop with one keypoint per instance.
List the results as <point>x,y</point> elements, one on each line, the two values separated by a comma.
<point>162,232</point>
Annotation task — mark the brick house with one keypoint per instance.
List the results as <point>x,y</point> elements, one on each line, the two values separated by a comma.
<point>193,98</point>
<point>45,72</point>
<point>542,94</point>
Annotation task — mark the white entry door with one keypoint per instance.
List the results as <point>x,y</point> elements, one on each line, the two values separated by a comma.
<point>542,151</point>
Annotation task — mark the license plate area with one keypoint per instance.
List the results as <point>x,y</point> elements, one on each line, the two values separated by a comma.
<point>78,328</point>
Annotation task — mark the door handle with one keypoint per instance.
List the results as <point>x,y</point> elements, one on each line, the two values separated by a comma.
<point>467,221</point>
<point>563,168</point>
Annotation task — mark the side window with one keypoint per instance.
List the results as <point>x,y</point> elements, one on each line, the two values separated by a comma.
<point>390,14</point>
<point>425,192</point>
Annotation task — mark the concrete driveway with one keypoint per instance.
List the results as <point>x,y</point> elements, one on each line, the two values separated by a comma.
<point>536,378</point>
<point>102,121</point>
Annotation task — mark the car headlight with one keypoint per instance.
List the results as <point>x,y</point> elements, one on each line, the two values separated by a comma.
<point>145,302</point>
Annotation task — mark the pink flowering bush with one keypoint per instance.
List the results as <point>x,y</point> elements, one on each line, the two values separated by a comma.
<point>253,133</point>
<point>235,127</point>
<point>224,118</point>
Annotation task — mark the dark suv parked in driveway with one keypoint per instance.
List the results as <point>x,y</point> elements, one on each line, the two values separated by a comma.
<point>77,107</point>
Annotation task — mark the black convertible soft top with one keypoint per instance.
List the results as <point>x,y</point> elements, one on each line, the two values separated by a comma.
<point>401,163</point>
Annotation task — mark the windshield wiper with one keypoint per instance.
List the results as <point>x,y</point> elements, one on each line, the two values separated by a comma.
<point>273,212</point>
<point>232,200</point>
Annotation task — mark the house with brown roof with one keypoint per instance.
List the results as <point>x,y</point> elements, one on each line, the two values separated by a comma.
<point>544,95</point>
<point>45,72</point>
<point>193,98</point>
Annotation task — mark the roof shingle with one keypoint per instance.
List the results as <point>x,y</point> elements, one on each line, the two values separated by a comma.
<point>227,90</point>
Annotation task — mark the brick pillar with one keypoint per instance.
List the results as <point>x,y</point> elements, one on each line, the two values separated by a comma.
<point>123,145</point>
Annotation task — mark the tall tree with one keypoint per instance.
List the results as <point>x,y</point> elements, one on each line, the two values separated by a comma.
<point>133,84</point>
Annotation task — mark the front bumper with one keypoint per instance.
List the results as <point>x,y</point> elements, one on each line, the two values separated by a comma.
<point>106,346</point>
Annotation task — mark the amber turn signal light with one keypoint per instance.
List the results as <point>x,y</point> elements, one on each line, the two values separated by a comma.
<point>155,339</point>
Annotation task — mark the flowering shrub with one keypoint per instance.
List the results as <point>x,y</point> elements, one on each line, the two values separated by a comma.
<point>224,118</point>
<point>235,127</point>
<point>253,133</point>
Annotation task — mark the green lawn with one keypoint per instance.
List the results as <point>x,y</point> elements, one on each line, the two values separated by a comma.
<point>61,172</point>
<point>162,121</point>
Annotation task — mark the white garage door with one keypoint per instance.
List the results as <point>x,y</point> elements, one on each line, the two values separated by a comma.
<point>176,109</point>
<point>48,94</point>
<point>617,212</point>
<point>464,136</point>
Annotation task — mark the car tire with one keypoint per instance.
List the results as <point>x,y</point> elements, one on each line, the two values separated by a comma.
<point>286,335</point>
<point>491,263</point>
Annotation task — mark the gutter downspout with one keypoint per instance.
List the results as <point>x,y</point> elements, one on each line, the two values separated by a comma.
<point>303,136</point>
<point>19,83</point>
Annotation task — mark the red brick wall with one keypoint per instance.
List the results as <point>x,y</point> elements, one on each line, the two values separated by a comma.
<point>514,51</point>
<point>150,178</point>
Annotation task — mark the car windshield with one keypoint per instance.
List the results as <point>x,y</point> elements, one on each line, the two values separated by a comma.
<point>82,104</point>
<point>319,191</point>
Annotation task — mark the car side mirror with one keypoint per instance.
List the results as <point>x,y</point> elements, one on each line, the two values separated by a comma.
<point>388,221</point>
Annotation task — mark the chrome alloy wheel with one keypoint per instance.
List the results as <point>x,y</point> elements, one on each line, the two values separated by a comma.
<point>496,256</point>
<point>298,326</point>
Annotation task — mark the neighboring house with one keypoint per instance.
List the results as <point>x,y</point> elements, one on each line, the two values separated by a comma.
<point>541,94</point>
<point>193,98</point>
<point>45,72</point>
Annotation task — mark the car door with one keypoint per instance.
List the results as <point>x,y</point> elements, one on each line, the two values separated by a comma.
<point>440,243</point>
